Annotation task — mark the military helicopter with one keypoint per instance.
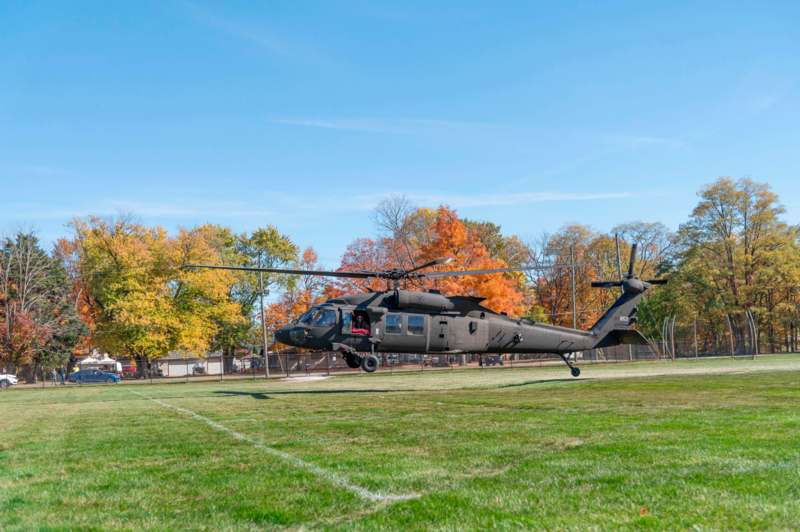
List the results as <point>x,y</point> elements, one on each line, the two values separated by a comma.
<point>405,321</point>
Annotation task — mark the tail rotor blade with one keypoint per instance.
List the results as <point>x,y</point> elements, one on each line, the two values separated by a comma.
<point>633,259</point>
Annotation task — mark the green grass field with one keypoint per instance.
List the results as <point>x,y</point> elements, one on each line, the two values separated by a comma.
<point>706,444</point>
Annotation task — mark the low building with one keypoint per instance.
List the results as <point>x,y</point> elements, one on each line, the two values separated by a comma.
<point>181,364</point>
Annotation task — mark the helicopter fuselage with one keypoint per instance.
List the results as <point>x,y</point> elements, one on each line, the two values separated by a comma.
<point>424,322</point>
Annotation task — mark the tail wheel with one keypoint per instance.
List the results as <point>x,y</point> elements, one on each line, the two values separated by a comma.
<point>370,363</point>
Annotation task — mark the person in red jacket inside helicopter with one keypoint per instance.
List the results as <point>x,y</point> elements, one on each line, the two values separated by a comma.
<point>360,324</point>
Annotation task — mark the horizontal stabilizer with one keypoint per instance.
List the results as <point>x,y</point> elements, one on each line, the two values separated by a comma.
<point>622,336</point>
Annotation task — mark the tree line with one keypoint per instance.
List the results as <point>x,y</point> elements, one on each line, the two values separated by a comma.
<point>119,285</point>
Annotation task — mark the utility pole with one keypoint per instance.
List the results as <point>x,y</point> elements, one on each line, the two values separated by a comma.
<point>730,329</point>
<point>264,345</point>
<point>695,338</point>
<point>672,337</point>
<point>572,282</point>
<point>753,332</point>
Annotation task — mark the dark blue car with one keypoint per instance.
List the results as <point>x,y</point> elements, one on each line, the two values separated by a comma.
<point>93,375</point>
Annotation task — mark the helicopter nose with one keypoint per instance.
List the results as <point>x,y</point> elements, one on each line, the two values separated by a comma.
<point>282,335</point>
<point>294,336</point>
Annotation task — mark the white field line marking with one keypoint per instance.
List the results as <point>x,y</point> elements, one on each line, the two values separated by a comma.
<point>331,477</point>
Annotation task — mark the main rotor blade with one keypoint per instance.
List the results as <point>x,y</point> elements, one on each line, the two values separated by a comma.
<point>322,273</point>
<point>633,259</point>
<point>606,284</point>
<point>436,262</point>
<point>433,275</point>
<point>562,266</point>
<point>657,281</point>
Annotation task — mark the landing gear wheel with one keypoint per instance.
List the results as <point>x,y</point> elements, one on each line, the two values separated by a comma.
<point>576,372</point>
<point>353,360</point>
<point>370,363</point>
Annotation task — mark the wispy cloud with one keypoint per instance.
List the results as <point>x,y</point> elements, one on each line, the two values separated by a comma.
<point>289,208</point>
<point>420,126</point>
<point>341,125</point>
<point>258,34</point>
<point>460,201</point>
<point>189,210</point>
<point>36,170</point>
<point>640,141</point>
<point>393,125</point>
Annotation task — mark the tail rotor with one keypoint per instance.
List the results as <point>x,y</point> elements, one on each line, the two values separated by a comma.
<point>630,283</point>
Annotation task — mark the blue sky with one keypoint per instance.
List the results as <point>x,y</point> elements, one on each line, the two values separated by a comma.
<point>306,114</point>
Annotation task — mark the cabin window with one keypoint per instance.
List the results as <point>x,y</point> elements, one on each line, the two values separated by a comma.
<point>360,323</point>
<point>347,323</point>
<point>416,324</point>
<point>324,318</point>
<point>394,324</point>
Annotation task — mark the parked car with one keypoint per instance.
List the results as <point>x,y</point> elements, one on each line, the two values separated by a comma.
<point>7,379</point>
<point>93,375</point>
<point>129,371</point>
<point>491,360</point>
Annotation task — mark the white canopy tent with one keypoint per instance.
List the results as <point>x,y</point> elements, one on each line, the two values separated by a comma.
<point>98,361</point>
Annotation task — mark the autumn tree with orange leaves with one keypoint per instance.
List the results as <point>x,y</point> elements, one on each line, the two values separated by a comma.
<point>451,238</point>
<point>414,236</point>
<point>66,252</point>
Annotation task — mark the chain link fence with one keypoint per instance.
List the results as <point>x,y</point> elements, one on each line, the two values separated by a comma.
<point>296,364</point>
<point>734,334</point>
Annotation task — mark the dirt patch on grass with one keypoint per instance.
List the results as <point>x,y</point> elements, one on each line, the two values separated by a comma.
<point>306,378</point>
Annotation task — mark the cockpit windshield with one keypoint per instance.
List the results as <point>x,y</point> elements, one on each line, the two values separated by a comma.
<point>308,316</point>
<point>317,317</point>
<point>324,318</point>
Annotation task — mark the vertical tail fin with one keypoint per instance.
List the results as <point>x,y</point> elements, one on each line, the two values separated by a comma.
<point>616,325</point>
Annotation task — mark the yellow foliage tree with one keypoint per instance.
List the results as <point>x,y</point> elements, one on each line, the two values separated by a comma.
<point>147,304</point>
